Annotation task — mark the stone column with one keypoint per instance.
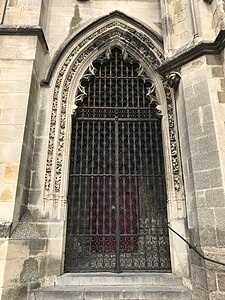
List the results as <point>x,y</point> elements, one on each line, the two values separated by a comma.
<point>22,47</point>
<point>201,115</point>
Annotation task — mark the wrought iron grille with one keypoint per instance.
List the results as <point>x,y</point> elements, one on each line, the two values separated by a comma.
<point>117,197</point>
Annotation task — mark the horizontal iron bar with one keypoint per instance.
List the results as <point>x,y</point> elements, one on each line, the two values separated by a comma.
<point>118,119</point>
<point>114,235</point>
<point>120,175</point>
<point>116,108</point>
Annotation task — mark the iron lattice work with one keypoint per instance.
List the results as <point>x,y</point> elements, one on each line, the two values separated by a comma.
<point>117,197</point>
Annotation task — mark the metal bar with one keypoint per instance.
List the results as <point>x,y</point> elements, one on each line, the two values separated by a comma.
<point>92,178</point>
<point>116,173</point>
<point>136,171</point>
<point>117,269</point>
<point>104,192</point>
<point>86,178</point>
<point>157,205</point>
<point>124,178</point>
<point>80,179</point>
<point>98,179</point>
<point>119,119</point>
<point>120,174</point>
<point>110,177</point>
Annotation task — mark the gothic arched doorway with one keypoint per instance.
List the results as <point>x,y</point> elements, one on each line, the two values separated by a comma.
<point>117,202</point>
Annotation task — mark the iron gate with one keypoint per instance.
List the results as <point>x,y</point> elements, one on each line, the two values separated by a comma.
<point>117,195</point>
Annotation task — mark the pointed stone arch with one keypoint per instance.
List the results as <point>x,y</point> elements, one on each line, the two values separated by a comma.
<point>64,78</point>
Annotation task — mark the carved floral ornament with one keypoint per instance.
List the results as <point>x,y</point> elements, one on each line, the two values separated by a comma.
<point>136,41</point>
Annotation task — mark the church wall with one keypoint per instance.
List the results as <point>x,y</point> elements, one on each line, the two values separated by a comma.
<point>201,154</point>
<point>70,16</point>
<point>200,110</point>
<point>29,256</point>
<point>21,60</point>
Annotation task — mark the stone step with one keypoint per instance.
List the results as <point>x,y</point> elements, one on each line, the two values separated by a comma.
<point>131,292</point>
<point>124,279</point>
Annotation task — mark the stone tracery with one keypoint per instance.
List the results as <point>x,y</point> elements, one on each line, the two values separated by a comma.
<point>114,32</point>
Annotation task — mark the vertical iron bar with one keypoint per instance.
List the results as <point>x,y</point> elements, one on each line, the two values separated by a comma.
<point>73,179</point>
<point>158,205</point>
<point>127,87</point>
<point>132,86</point>
<point>135,178</point>
<point>86,177</point>
<point>131,233</point>
<point>98,182</point>
<point>104,203</point>
<point>110,179</point>
<point>92,178</point>
<point>80,179</point>
<point>117,199</point>
<point>124,178</point>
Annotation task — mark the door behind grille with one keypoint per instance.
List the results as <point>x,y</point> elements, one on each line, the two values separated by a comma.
<point>117,195</point>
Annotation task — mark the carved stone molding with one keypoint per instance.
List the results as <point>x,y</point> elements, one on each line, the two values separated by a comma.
<point>173,142</point>
<point>114,32</point>
<point>5,229</point>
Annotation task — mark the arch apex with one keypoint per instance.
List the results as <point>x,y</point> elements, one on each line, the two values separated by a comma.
<point>115,19</point>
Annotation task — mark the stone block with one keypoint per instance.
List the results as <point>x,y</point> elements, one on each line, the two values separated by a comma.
<point>7,86</point>
<point>221,282</point>
<point>206,161</point>
<point>201,180</point>
<point>13,100</point>
<point>206,217</point>
<point>221,97</point>
<point>220,217</point>
<point>200,130</point>
<point>207,144</point>
<point>220,233</point>
<point>217,72</point>
<point>215,198</point>
<point>207,236</point>
<point>211,281</point>
<point>199,277</point>
<point>3,248</point>
<point>216,296</point>
<point>11,134</point>
<point>6,116</point>
<point>18,249</point>
<point>7,192</point>
<point>35,197</point>
<point>6,209</point>
<point>10,152</point>
<point>214,59</point>
<point>11,173</point>
<point>37,180</point>
<point>22,86</point>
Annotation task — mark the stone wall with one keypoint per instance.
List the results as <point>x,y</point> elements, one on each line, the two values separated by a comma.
<point>21,57</point>
<point>28,259</point>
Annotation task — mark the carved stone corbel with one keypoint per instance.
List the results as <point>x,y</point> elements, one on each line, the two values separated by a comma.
<point>173,79</point>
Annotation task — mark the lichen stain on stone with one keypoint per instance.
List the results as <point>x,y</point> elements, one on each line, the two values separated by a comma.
<point>76,19</point>
<point>13,2</point>
<point>29,272</point>
<point>11,171</point>
<point>6,195</point>
<point>197,63</point>
<point>15,293</point>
